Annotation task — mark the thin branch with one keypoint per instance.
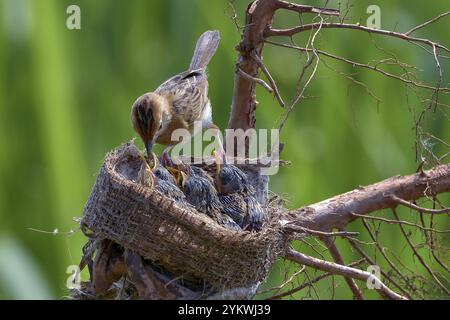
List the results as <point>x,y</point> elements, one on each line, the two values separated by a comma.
<point>257,80</point>
<point>298,228</point>
<point>407,223</point>
<point>337,257</point>
<point>360,65</point>
<point>306,9</point>
<point>422,261</point>
<point>416,207</point>
<point>308,63</point>
<point>420,26</point>
<point>372,262</point>
<point>310,283</point>
<point>269,77</point>
<point>329,25</point>
<point>284,284</point>
<point>383,253</point>
<point>335,268</point>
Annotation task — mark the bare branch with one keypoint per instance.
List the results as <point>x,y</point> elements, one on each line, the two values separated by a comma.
<point>360,65</point>
<point>420,26</point>
<point>327,25</point>
<point>372,262</point>
<point>259,15</point>
<point>337,257</point>
<point>407,223</point>
<point>306,9</point>
<point>297,228</point>
<point>422,261</point>
<point>284,284</point>
<point>416,207</point>
<point>310,283</point>
<point>269,77</point>
<point>335,268</point>
<point>338,211</point>
<point>257,80</point>
<point>389,261</point>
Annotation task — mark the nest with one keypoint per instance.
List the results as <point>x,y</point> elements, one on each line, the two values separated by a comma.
<point>176,238</point>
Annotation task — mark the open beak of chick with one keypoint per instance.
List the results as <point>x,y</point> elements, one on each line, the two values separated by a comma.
<point>179,175</point>
<point>217,159</point>
<point>145,175</point>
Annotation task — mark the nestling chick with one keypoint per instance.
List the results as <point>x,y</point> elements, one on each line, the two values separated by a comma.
<point>164,184</point>
<point>255,217</point>
<point>163,174</point>
<point>237,197</point>
<point>229,223</point>
<point>234,206</point>
<point>231,179</point>
<point>200,192</point>
<point>178,102</point>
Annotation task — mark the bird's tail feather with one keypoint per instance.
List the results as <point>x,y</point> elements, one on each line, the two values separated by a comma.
<point>204,50</point>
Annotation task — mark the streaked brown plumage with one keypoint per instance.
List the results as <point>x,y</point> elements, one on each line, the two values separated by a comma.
<point>178,102</point>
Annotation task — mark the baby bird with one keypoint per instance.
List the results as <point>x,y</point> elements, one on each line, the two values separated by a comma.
<point>236,196</point>
<point>231,179</point>
<point>178,102</point>
<point>199,190</point>
<point>229,223</point>
<point>163,174</point>
<point>234,206</point>
<point>163,182</point>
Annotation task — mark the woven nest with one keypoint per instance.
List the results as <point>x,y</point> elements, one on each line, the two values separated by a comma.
<point>177,238</point>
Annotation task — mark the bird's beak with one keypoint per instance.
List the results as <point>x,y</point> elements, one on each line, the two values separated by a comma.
<point>217,160</point>
<point>149,147</point>
<point>155,162</point>
<point>183,178</point>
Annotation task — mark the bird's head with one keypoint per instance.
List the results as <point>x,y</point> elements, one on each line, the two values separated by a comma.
<point>229,179</point>
<point>147,118</point>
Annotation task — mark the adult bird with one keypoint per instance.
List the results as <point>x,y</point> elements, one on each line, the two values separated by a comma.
<point>179,102</point>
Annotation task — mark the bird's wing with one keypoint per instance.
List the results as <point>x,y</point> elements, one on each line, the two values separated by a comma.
<point>188,93</point>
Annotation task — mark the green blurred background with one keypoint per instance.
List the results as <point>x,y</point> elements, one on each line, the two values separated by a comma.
<point>65,98</point>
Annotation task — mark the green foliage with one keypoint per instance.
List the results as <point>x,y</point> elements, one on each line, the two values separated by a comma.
<point>65,98</point>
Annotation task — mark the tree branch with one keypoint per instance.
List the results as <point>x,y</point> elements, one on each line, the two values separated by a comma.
<point>338,211</point>
<point>306,9</point>
<point>360,65</point>
<point>327,25</point>
<point>309,283</point>
<point>420,26</point>
<point>337,257</point>
<point>416,207</point>
<point>335,268</point>
<point>259,16</point>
